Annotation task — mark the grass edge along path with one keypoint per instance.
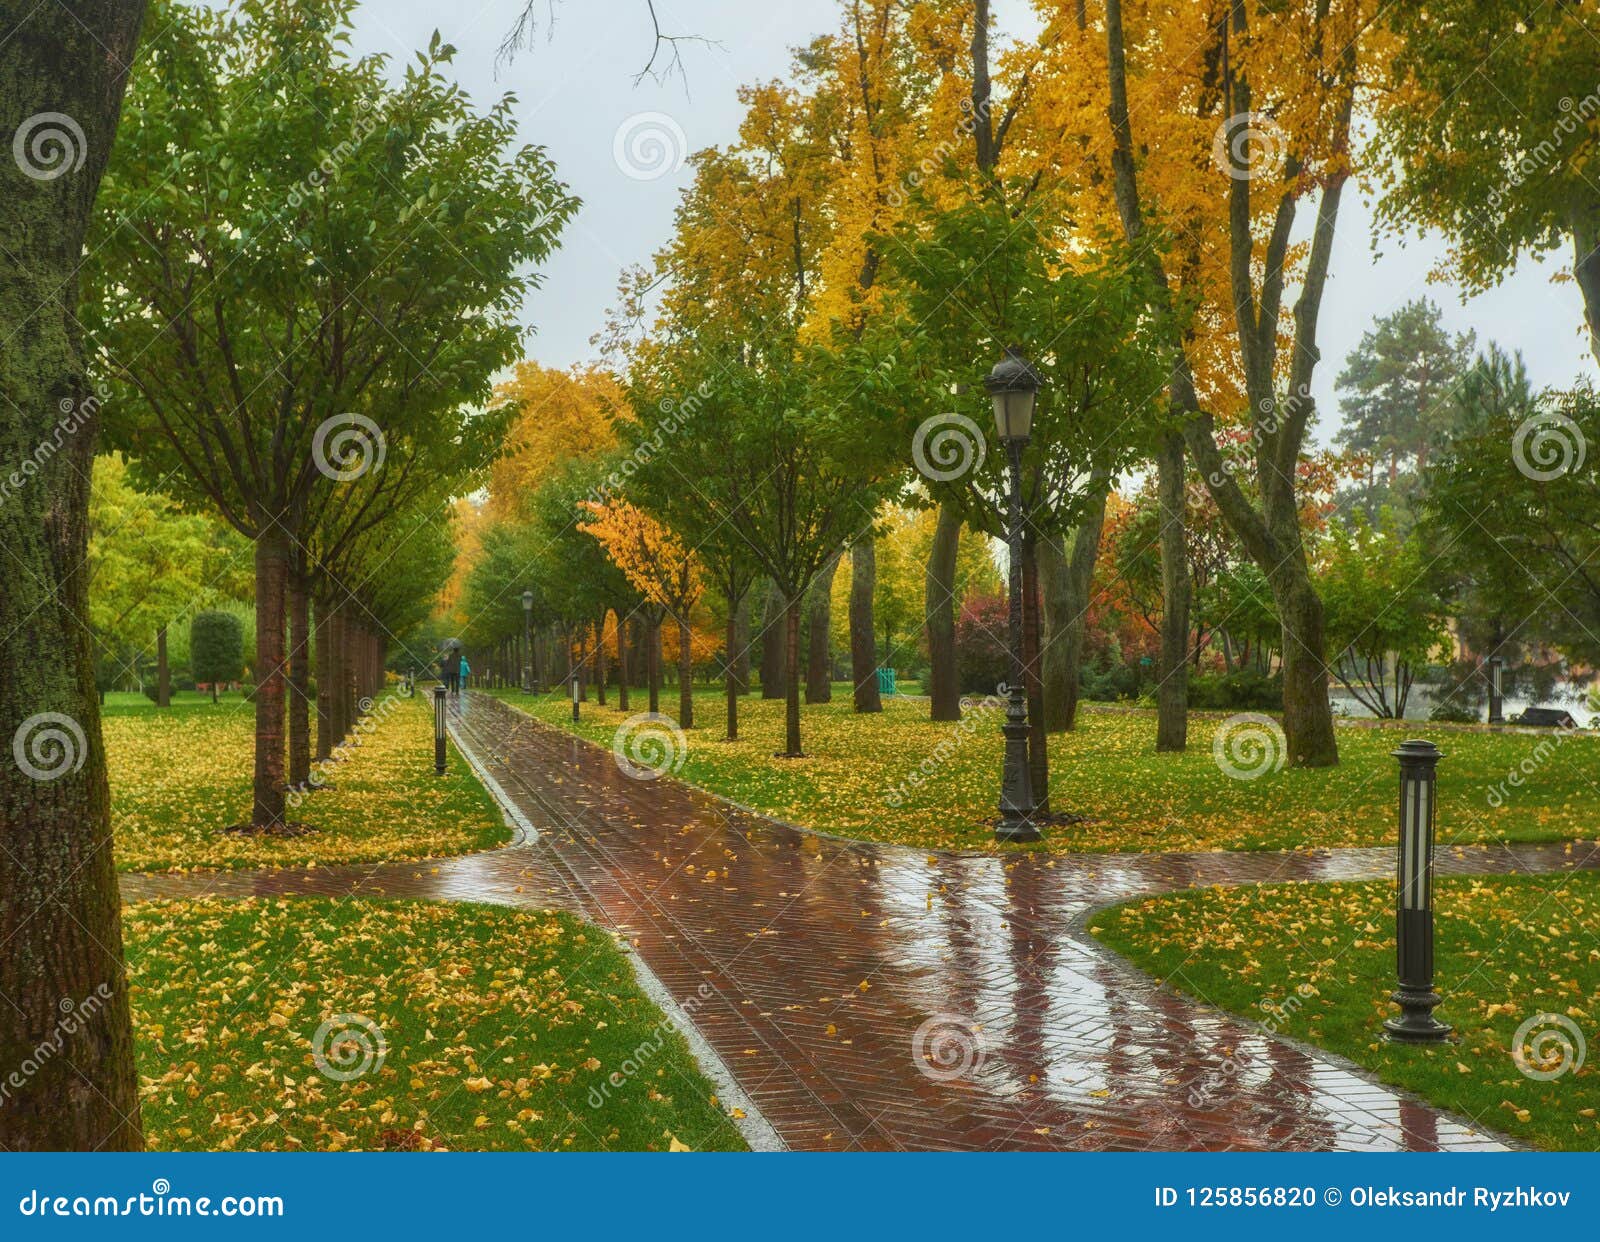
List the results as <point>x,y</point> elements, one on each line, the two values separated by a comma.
<point>178,778</point>
<point>900,778</point>
<point>1518,966</point>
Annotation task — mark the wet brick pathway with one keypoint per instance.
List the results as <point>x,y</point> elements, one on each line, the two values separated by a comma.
<point>869,996</point>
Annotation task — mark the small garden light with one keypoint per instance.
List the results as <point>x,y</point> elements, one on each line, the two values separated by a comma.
<point>574,696</point>
<point>1496,690</point>
<point>1415,1023</point>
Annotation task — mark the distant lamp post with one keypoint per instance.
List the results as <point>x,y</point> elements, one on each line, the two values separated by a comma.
<point>1497,668</point>
<point>1415,1024</point>
<point>527,642</point>
<point>438,730</point>
<point>1013,386</point>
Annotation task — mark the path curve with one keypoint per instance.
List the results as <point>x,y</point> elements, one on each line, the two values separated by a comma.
<point>876,996</point>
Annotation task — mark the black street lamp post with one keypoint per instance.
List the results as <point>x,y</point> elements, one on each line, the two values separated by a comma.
<point>1415,1024</point>
<point>1496,690</point>
<point>1013,386</point>
<point>438,730</point>
<point>527,642</point>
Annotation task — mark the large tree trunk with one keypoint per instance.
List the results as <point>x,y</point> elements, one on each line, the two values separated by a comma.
<point>272,571</point>
<point>1584,224</point>
<point>1065,584</point>
<point>791,706</point>
<point>1172,691</point>
<point>1307,717</point>
<point>1033,684</point>
<point>730,674</point>
<point>60,915</point>
<point>163,670</point>
<point>1270,534</point>
<point>299,680</point>
<point>819,656</point>
<point>863,631</point>
<point>944,686</point>
<point>685,674</point>
<point>353,632</point>
<point>741,664</point>
<point>772,645</point>
<point>324,661</point>
<point>622,661</point>
<point>337,724</point>
<point>652,665</point>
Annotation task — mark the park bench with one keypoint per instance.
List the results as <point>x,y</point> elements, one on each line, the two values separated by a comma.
<point>1546,718</point>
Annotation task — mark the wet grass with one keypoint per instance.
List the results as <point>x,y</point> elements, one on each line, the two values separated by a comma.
<point>900,777</point>
<point>1316,962</point>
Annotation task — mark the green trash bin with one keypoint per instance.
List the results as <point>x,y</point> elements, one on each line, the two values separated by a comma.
<point>886,681</point>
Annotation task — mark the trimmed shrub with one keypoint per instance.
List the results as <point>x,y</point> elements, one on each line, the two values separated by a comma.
<point>216,648</point>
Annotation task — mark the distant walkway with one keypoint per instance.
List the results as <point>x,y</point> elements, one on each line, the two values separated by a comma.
<point>869,996</point>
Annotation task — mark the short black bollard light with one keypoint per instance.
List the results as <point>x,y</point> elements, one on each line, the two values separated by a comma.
<point>438,730</point>
<point>574,698</point>
<point>1496,690</point>
<point>1415,1023</point>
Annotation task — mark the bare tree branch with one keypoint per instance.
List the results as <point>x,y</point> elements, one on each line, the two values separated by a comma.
<point>667,47</point>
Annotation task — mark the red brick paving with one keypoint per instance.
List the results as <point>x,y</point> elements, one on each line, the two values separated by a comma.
<point>826,957</point>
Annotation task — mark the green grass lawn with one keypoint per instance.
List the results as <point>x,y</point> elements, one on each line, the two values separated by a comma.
<point>901,777</point>
<point>1316,962</point>
<point>181,775</point>
<point>323,1024</point>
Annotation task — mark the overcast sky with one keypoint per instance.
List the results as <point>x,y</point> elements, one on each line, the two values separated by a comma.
<point>577,95</point>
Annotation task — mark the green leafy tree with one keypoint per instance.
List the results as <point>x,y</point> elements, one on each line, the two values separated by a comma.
<point>1489,126</point>
<point>216,648</point>
<point>977,278</point>
<point>1510,505</point>
<point>1398,386</point>
<point>150,563</point>
<point>300,267</point>
<point>1386,617</point>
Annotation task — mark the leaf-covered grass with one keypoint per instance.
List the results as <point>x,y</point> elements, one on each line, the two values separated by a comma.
<point>180,776</point>
<point>1316,962</point>
<point>472,1027</point>
<point>903,778</point>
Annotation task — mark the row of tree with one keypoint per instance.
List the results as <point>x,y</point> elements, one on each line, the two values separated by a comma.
<point>279,284</point>
<point>1144,198</point>
<point>900,209</point>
